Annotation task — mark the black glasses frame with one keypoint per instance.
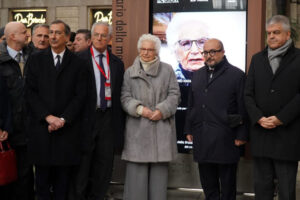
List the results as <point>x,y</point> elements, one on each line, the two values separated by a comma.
<point>211,52</point>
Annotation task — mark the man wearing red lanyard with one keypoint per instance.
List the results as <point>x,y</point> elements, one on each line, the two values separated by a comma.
<point>104,117</point>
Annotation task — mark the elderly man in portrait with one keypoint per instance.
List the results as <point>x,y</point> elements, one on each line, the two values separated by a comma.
<point>272,100</point>
<point>216,121</point>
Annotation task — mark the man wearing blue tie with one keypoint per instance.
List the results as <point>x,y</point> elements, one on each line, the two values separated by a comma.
<point>104,117</point>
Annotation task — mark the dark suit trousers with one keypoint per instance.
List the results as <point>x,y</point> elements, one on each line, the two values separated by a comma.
<point>23,188</point>
<point>266,170</point>
<point>56,178</point>
<point>94,173</point>
<point>218,180</point>
<point>102,156</point>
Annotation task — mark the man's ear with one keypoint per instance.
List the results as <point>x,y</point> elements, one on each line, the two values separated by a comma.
<point>110,39</point>
<point>89,42</point>
<point>289,34</point>
<point>68,37</point>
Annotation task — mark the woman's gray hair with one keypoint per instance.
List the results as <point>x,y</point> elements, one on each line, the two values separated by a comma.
<point>280,19</point>
<point>151,38</point>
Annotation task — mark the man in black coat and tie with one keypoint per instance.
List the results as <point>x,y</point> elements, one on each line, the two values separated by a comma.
<point>104,117</point>
<point>272,96</point>
<point>216,121</point>
<point>56,93</point>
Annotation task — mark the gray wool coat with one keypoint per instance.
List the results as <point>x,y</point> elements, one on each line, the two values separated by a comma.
<point>145,140</point>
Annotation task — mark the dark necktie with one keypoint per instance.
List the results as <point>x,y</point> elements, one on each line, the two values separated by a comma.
<point>57,66</point>
<point>103,102</point>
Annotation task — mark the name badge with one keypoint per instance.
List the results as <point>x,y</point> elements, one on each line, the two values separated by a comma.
<point>107,91</point>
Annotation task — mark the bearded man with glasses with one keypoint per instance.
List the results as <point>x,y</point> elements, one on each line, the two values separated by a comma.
<point>216,121</point>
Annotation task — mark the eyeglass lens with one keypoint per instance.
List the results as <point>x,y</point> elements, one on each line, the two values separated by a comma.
<point>187,44</point>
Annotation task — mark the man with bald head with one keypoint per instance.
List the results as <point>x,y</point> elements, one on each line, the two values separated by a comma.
<point>216,121</point>
<point>13,56</point>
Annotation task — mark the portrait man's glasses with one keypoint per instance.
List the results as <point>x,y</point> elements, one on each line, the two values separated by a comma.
<point>187,44</point>
<point>211,52</point>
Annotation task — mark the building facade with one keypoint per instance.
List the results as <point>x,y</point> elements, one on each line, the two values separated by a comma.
<point>77,13</point>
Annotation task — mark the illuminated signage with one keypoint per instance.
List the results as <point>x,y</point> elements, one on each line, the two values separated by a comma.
<point>101,15</point>
<point>29,17</point>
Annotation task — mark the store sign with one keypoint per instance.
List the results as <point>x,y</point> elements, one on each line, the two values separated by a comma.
<point>29,17</point>
<point>102,15</point>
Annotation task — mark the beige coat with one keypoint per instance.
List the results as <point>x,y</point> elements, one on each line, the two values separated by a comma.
<point>145,140</point>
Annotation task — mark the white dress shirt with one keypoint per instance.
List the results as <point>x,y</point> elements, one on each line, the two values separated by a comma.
<point>97,73</point>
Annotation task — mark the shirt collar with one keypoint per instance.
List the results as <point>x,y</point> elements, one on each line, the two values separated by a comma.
<point>13,53</point>
<point>97,53</point>
<point>61,54</point>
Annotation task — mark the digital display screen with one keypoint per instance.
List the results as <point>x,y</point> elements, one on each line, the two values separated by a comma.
<point>183,26</point>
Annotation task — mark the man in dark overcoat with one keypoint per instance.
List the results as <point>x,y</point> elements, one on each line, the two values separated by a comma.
<point>273,103</point>
<point>216,121</point>
<point>13,58</point>
<point>56,91</point>
<point>104,117</point>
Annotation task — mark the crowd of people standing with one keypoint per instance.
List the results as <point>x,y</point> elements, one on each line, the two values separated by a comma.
<point>67,106</point>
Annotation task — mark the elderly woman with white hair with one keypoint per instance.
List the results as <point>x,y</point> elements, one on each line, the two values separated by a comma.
<point>150,96</point>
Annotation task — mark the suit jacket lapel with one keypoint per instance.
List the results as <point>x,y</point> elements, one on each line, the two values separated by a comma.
<point>50,61</point>
<point>216,74</point>
<point>112,72</point>
<point>90,69</point>
<point>65,61</point>
<point>266,62</point>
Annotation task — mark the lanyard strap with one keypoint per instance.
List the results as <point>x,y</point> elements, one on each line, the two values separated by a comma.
<point>101,69</point>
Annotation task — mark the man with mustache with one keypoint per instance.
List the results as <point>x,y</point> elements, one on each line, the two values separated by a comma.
<point>40,37</point>
<point>216,121</point>
<point>272,99</point>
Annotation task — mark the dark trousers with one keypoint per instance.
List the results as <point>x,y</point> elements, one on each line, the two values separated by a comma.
<point>23,188</point>
<point>218,180</point>
<point>94,173</point>
<point>52,182</point>
<point>6,192</point>
<point>266,170</point>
